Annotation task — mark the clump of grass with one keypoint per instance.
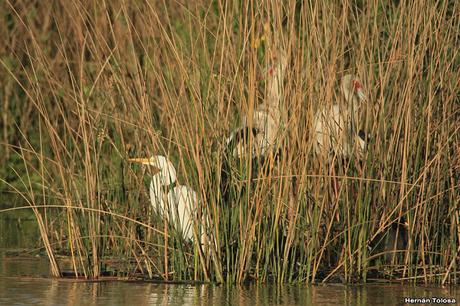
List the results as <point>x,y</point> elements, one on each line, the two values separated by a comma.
<point>86,83</point>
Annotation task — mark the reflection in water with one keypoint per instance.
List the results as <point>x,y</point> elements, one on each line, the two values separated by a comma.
<point>45,291</point>
<point>18,232</point>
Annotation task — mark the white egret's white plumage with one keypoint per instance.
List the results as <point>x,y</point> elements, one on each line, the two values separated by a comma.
<point>178,203</point>
<point>265,122</point>
<point>164,175</point>
<point>185,200</point>
<point>335,127</point>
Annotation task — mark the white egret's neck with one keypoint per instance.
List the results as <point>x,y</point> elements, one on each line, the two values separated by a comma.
<point>347,89</point>
<point>167,174</point>
<point>275,78</point>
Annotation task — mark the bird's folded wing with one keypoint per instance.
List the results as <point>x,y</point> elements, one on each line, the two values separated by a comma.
<point>240,137</point>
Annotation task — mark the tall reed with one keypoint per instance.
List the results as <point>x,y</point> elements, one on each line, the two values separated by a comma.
<point>87,83</point>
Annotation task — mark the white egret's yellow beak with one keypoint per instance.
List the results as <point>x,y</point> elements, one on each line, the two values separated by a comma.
<point>145,161</point>
<point>140,160</point>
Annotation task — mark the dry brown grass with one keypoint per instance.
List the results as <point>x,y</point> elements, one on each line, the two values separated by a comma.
<point>85,82</point>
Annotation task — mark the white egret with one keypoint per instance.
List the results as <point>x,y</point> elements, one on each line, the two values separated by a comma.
<point>265,122</point>
<point>335,126</point>
<point>178,203</point>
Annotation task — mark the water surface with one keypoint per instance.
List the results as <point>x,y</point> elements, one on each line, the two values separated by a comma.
<point>15,289</point>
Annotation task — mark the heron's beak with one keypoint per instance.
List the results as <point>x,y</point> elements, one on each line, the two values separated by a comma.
<point>145,161</point>
<point>361,95</point>
<point>140,160</point>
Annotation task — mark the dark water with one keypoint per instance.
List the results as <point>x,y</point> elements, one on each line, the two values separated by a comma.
<point>17,290</point>
<point>18,228</point>
<point>21,284</point>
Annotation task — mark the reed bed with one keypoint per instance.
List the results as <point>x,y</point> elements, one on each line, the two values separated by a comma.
<point>87,84</point>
